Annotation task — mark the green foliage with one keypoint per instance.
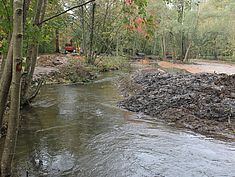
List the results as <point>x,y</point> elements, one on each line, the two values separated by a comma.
<point>207,26</point>
<point>5,24</point>
<point>111,63</point>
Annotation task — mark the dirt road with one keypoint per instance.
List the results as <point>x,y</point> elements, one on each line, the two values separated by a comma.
<point>202,66</point>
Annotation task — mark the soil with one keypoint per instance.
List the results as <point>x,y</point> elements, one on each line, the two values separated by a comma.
<point>60,68</point>
<point>199,66</point>
<point>48,65</point>
<point>203,102</point>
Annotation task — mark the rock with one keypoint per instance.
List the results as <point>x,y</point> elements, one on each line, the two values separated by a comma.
<point>57,62</point>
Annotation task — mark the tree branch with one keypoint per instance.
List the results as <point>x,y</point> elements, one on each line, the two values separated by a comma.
<point>54,16</point>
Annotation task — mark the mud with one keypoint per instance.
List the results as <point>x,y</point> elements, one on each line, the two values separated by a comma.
<point>203,102</point>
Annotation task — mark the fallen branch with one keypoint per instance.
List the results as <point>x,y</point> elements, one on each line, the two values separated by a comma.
<point>36,91</point>
<point>29,99</point>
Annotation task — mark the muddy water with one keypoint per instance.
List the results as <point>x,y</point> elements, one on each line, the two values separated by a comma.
<point>79,131</point>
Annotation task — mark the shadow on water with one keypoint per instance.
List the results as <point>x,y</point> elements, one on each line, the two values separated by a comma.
<point>79,131</point>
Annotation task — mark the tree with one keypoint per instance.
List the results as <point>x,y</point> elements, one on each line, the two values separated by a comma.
<point>33,50</point>
<point>13,121</point>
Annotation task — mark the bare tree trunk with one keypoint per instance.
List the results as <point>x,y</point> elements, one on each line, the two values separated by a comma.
<point>43,11</point>
<point>181,21</point>
<point>5,82</point>
<point>187,52</point>
<point>90,58</point>
<point>83,48</point>
<point>10,142</point>
<point>215,49</point>
<point>183,46</point>
<point>117,46</point>
<point>134,47</point>
<point>154,43</point>
<point>25,12</point>
<point>190,40</point>
<point>163,46</point>
<point>57,48</point>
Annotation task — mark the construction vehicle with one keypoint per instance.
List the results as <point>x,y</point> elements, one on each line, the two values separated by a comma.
<point>69,48</point>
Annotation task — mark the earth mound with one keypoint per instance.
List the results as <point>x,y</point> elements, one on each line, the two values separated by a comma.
<point>203,102</point>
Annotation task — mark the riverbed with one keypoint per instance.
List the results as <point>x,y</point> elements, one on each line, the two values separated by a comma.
<point>79,131</point>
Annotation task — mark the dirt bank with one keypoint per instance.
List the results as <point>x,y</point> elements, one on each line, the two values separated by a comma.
<point>201,66</point>
<point>202,102</point>
<point>60,68</point>
<point>72,68</point>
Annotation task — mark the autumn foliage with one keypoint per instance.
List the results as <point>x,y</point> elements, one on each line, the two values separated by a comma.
<point>128,2</point>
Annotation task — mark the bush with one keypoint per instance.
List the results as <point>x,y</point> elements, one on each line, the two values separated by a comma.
<point>110,63</point>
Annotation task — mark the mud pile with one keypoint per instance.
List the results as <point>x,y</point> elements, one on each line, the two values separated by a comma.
<point>52,60</point>
<point>185,98</point>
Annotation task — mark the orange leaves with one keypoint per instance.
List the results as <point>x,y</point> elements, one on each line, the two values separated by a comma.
<point>139,20</point>
<point>128,2</point>
<point>136,25</point>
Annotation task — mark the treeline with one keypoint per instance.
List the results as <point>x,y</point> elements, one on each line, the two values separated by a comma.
<point>182,28</point>
<point>195,29</point>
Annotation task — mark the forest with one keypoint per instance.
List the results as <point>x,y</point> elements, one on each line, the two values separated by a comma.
<point>53,43</point>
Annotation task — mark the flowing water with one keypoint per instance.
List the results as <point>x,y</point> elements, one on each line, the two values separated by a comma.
<point>79,131</point>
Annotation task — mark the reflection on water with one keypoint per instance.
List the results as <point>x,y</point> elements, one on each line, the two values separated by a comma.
<point>78,131</point>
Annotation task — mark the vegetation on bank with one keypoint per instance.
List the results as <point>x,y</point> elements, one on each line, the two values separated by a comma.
<point>79,71</point>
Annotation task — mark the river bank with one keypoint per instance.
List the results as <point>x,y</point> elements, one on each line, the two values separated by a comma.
<point>202,102</point>
<point>67,69</point>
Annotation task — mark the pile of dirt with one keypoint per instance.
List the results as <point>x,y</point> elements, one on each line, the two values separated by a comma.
<point>60,68</point>
<point>52,60</point>
<point>203,102</point>
<point>49,65</point>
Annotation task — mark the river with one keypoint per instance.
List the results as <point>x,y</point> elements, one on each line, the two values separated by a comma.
<point>78,130</point>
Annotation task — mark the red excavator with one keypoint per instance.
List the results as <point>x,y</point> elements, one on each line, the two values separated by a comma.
<point>69,48</point>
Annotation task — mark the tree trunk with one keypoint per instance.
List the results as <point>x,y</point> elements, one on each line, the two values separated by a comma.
<point>117,46</point>
<point>5,82</point>
<point>181,21</point>
<point>133,52</point>
<point>154,44</point>
<point>57,48</point>
<point>25,12</point>
<point>183,50</point>
<point>83,50</point>
<point>187,52</point>
<point>215,49</point>
<point>163,46</point>
<point>10,142</point>
<point>32,52</point>
<point>91,58</point>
